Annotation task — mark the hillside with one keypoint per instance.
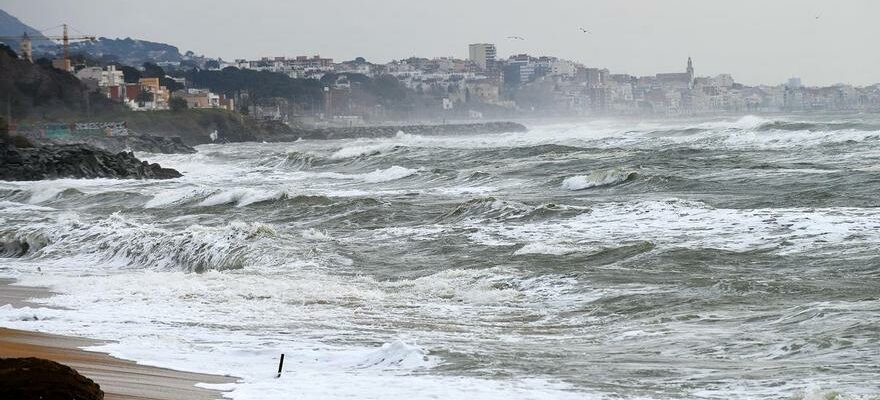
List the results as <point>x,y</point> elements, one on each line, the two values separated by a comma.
<point>40,90</point>
<point>127,51</point>
<point>11,26</point>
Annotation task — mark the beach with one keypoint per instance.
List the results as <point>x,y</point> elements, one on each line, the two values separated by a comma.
<point>119,379</point>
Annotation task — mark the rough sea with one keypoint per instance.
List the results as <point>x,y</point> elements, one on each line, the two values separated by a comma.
<point>727,258</point>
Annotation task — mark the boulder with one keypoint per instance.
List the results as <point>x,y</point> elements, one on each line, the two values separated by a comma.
<point>39,379</point>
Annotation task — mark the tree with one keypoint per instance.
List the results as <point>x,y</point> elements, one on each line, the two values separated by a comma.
<point>177,104</point>
<point>129,74</point>
<point>153,71</point>
<point>144,97</point>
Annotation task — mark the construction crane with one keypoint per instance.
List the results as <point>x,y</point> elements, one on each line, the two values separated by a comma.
<point>27,49</point>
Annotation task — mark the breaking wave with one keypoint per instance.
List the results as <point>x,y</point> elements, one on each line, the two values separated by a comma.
<point>816,126</point>
<point>116,240</point>
<point>491,208</point>
<point>395,355</point>
<point>20,244</point>
<point>385,175</point>
<point>600,178</point>
<point>364,150</point>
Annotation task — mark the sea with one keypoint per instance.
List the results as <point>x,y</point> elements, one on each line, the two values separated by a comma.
<point>712,258</point>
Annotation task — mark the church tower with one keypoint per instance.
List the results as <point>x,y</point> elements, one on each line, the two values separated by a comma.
<point>27,51</point>
<point>690,69</point>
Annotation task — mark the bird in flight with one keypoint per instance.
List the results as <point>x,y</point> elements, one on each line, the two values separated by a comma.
<point>585,31</point>
<point>516,37</point>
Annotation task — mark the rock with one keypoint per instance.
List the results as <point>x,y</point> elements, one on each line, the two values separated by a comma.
<point>35,378</point>
<point>141,143</point>
<point>52,161</point>
<point>388,131</point>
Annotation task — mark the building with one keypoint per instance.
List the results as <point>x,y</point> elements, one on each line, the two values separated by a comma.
<point>483,54</point>
<point>678,80</point>
<point>520,69</point>
<point>101,78</point>
<point>133,94</point>
<point>204,98</point>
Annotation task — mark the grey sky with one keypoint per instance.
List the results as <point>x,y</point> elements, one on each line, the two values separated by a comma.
<point>758,41</point>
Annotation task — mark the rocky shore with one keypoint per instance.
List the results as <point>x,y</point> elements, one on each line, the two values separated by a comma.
<point>139,143</point>
<point>21,160</point>
<point>388,131</point>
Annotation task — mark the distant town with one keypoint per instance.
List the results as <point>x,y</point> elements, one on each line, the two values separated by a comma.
<point>316,90</point>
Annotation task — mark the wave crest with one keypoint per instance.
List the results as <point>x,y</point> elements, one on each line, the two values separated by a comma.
<point>130,244</point>
<point>599,178</point>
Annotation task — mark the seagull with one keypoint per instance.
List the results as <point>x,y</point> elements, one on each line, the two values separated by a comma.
<point>585,31</point>
<point>516,37</point>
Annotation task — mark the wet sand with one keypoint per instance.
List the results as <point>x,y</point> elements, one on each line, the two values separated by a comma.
<point>119,379</point>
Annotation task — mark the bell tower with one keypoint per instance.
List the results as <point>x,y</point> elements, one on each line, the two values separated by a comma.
<point>690,68</point>
<point>26,48</point>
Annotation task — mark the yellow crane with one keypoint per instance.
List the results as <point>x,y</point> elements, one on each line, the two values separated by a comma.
<point>65,38</point>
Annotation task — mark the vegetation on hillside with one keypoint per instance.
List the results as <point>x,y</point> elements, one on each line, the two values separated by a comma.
<point>257,84</point>
<point>40,91</point>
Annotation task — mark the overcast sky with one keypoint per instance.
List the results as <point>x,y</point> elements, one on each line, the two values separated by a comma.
<point>758,41</point>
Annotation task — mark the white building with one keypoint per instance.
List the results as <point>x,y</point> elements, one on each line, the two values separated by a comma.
<point>483,54</point>
<point>563,68</point>
<point>102,77</point>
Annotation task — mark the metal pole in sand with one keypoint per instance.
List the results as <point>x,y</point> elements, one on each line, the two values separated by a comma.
<point>280,364</point>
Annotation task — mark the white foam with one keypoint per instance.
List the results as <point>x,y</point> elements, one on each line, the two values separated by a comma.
<point>175,197</point>
<point>240,197</point>
<point>45,191</point>
<point>389,174</point>
<point>691,224</point>
<point>596,179</point>
<point>542,248</point>
<point>362,150</point>
<point>397,355</point>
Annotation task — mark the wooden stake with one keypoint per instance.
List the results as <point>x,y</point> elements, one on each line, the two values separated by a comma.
<point>280,364</point>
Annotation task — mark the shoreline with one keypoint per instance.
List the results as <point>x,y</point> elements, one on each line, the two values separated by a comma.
<point>119,379</point>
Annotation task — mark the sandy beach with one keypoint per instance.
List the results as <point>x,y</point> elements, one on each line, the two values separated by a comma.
<point>119,379</point>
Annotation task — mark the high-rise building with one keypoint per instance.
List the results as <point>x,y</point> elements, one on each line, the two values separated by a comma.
<point>483,54</point>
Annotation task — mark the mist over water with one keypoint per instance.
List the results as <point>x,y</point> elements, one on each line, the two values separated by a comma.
<point>715,259</point>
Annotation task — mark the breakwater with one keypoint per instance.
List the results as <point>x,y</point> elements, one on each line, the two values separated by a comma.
<point>391,130</point>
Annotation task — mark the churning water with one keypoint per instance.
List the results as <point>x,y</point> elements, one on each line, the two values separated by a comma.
<point>711,259</point>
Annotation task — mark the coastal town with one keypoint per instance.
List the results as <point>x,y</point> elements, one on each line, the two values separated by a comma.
<point>482,83</point>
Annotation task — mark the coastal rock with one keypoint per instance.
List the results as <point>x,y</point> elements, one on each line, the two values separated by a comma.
<point>391,130</point>
<point>140,143</point>
<point>35,378</point>
<point>22,161</point>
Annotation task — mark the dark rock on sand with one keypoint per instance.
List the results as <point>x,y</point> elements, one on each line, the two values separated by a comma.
<point>39,379</point>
